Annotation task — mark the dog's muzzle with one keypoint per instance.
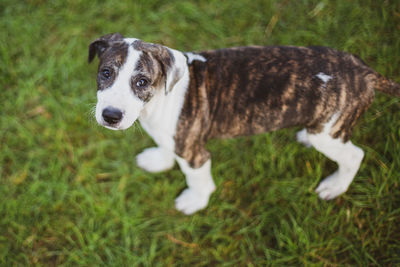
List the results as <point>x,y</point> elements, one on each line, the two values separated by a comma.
<point>112,115</point>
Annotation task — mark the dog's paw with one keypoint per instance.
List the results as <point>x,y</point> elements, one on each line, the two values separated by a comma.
<point>155,159</point>
<point>190,201</point>
<point>332,186</point>
<point>302,137</point>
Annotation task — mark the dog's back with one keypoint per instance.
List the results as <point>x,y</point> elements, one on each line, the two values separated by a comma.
<point>255,89</point>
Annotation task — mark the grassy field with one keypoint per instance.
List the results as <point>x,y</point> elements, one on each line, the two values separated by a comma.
<point>71,193</point>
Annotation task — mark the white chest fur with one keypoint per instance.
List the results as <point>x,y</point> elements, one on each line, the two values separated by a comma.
<point>160,116</point>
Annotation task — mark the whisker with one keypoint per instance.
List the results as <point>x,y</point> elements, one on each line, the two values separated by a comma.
<point>91,113</point>
<point>137,126</point>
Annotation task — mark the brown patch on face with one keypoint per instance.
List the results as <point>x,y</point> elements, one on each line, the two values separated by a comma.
<point>158,52</point>
<point>112,52</point>
<point>153,65</point>
<point>147,69</point>
<point>111,61</point>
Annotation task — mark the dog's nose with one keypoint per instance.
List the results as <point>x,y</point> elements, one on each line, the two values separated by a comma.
<point>112,115</point>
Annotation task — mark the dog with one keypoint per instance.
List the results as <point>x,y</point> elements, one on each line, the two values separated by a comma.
<point>184,99</point>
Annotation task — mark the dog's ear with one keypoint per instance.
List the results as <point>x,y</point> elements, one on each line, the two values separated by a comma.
<point>169,60</point>
<point>174,72</point>
<point>98,46</point>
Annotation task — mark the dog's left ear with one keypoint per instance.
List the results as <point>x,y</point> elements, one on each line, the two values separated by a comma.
<point>174,73</point>
<point>98,46</point>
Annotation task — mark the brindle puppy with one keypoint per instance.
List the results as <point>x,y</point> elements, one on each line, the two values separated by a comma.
<point>184,99</point>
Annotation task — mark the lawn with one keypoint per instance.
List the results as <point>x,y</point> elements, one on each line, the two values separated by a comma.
<point>72,195</point>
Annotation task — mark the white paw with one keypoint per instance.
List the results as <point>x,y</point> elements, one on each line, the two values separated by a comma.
<point>332,186</point>
<point>155,159</point>
<point>302,137</point>
<point>190,201</point>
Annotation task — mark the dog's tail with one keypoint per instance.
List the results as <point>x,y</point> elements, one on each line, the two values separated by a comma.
<point>385,85</point>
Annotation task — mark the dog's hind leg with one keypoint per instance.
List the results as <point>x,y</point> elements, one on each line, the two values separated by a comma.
<point>200,187</point>
<point>301,137</point>
<point>346,155</point>
<point>155,159</point>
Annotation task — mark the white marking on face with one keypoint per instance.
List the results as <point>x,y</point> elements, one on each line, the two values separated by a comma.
<point>120,95</point>
<point>192,57</point>
<point>324,77</point>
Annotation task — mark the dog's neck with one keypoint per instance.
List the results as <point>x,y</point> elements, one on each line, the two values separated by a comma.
<point>161,114</point>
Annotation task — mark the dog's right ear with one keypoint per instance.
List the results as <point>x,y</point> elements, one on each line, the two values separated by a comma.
<point>98,46</point>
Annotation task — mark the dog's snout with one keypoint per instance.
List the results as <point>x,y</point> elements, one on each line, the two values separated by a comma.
<point>112,115</point>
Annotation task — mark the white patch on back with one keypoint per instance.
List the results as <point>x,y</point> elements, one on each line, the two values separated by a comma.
<point>120,95</point>
<point>130,41</point>
<point>324,77</point>
<point>192,57</point>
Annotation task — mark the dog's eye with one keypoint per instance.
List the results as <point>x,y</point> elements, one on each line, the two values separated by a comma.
<point>106,74</point>
<point>142,82</point>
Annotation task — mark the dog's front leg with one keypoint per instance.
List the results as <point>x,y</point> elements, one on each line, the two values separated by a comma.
<point>200,186</point>
<point>155,159</point>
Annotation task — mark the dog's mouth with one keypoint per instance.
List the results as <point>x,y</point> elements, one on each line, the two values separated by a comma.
<point>124,123</point>
<point>114,127</point>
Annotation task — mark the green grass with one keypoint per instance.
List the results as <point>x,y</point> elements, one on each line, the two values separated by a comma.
<point>71,193</point>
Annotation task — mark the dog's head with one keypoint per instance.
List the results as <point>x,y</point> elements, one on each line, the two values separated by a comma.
<point>130,74</point>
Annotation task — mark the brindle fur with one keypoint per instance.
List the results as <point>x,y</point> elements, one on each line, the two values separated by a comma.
<point>250,90</point>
